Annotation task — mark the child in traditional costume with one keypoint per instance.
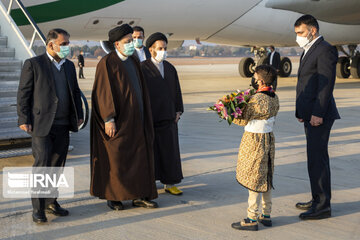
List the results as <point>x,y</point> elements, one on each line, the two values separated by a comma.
<point>255,164</point>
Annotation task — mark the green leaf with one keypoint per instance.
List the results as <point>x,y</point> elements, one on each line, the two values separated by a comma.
<point>229,120</point>
<point>232,106</point>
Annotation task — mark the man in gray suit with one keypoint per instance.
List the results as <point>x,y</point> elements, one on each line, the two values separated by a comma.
<point>49,106</point>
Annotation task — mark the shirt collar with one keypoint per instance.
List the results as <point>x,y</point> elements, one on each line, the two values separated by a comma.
<point>53,59</point>
<point>159,66</point>
<point>156,62</point>
<point>139,50</point>
<point>57,64</point>
<point>307,47</point>
<point>122,57</point>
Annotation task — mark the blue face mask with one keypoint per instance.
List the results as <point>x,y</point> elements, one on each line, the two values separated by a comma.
<point>129,49</point>
<point>138,43</point>
<point>64,51</point>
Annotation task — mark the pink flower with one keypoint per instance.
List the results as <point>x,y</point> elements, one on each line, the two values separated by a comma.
<point>238,110</point>
<point>219,106</point>
<point>225,113</point>
<point>247,92</point>
<point>240,98</point>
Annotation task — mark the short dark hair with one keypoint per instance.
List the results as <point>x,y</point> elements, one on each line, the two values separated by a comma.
<point>54,34</point>
<point>138,29</point>
<point>307,20</point>
<point>267,73</point>
<point>272,47</point>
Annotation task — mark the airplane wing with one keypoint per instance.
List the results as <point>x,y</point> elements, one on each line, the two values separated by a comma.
<point>333,11</point>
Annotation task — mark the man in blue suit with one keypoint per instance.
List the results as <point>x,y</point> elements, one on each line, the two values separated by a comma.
<point>316,109</point>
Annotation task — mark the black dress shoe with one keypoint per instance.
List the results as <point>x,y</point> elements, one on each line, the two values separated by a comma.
<point>55,209</point>
<point>39,217</point>
<point>304,205</point>
<point>144,203</point>
<point>316,214</point>
<point>115,205</point>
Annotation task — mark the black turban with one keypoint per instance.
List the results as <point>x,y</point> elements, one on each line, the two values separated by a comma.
<point>118,33</point>
<point>155,37</point>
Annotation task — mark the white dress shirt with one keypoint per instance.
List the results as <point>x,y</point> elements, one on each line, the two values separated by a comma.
<point>307,47</point>
<point>141,53</point>
<point>122,57</point>
<point>271,57</point>
<point>57,64</point>
<point>159,65</point>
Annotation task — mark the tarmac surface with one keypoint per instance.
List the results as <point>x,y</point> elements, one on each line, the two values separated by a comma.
<point>212,198</point>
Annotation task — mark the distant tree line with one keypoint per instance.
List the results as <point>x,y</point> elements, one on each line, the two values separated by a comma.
<point>223,51</point>
<point>90,52</point>
<point>184,51</point>
<point>209,51</point>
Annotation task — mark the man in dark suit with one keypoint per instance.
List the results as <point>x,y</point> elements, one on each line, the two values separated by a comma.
<point>49,106</point>
<point>81,64</point>
<point>274,58</point>
<point>141,52</point>
<point>316,109</point>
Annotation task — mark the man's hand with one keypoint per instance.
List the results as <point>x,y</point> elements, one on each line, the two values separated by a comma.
<point>80,121</point>
<point>110,129</point>
<point>177,117</point>
<point>26,127</point>
<point>300,120</point>
<point>316,121</point>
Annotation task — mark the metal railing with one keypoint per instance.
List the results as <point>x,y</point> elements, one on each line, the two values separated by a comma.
<point>37,30</point>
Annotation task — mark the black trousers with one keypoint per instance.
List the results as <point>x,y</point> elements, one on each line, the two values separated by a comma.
<point>317,139</point>
<point>81,72</point>
<point>50,151</point>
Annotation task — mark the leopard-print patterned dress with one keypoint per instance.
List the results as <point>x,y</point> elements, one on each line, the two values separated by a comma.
<point>255,165</point>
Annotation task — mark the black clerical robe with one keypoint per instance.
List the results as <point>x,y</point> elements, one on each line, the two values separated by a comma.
<point>166,101</point>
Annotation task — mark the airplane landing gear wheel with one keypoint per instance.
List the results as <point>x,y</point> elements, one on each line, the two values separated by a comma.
<point>343,67</point>
<point>285,67</point>
<point>355,67</point>
<point>246,67</point>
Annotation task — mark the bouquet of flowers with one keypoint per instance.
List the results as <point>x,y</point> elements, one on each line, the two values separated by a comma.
<point>230,107</point>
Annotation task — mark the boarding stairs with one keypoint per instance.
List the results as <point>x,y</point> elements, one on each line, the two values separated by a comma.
<point>14,50</point>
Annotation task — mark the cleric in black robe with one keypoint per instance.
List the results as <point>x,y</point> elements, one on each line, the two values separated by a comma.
<point>167,106</point>
<point>121,131</point>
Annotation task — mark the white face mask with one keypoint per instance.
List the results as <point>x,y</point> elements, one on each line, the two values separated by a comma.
<point>303,41</point>
<point>160,56</point>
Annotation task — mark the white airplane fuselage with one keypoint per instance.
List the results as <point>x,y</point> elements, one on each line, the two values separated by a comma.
<point>231,22</point>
